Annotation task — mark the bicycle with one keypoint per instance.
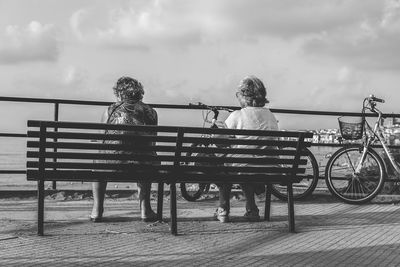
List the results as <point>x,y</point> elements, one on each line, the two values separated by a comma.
<point>356,173</point>
<point>193,191</point>
<point>301,191</point>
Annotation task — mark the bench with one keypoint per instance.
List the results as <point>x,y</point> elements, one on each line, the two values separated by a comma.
<point>77,151</point>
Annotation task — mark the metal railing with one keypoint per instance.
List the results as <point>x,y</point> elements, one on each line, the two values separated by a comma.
<point>58,102</point>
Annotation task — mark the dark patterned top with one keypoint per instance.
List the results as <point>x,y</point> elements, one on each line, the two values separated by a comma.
<point>133,113</point>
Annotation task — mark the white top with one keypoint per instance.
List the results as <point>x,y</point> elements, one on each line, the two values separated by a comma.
<point>251,118</point>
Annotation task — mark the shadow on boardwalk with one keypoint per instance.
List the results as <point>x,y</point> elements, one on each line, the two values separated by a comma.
<point>328,233</point>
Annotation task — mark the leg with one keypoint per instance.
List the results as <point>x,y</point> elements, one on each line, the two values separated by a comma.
<point>249,193</point>
<point>146,213</point>
<point>224,196</point>
<point>99,191</point>
<point>222,212</point>
<point>252,212</point>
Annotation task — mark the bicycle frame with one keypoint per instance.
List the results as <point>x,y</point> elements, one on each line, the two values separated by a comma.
<point>376,134</point>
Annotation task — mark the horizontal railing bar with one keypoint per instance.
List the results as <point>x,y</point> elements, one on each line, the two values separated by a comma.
<point>12,135</point>
<point>12,171</point>
<point>169,106</point>
<point>55,101</point>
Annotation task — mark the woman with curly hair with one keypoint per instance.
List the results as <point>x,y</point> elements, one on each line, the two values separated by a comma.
<point>253,115</point>
<point>129,109</point>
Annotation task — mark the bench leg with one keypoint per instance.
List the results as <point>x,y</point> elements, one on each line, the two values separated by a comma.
<point>174,228</point>
<point>40,196</point>
<point>160,199</point>
<point>267,213</point>
<point>290,207</point>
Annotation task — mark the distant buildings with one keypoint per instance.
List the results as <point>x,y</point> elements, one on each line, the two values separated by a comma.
<point>391,132</point>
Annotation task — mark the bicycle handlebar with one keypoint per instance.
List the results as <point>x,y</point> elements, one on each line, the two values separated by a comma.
<point>212,108</point>
<point>372,98</point>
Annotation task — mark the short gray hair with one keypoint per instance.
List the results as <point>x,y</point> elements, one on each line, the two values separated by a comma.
<point>253,91</point>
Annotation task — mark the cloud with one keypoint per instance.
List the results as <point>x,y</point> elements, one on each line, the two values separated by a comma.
<point>291,19</point>
<point>371,43</point>
<point>343,92</point>
<point>74,76</point>
<point>145,24</point>
<point>134,27</point>
<point>35,42</point>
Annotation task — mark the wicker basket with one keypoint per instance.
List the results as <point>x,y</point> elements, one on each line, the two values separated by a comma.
<point>351,128</point>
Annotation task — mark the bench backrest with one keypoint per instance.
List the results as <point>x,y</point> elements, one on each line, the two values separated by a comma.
<point>94,151</point>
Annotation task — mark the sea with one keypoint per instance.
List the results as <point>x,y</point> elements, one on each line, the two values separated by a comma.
<point>13,157</point>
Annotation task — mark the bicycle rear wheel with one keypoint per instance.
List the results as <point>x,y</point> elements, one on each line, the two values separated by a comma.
<point>306,187</point>
<point>349,186</point>
<point>193,191</point>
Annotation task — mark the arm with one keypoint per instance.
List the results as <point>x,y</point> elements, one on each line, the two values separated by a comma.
<point>104,117</point>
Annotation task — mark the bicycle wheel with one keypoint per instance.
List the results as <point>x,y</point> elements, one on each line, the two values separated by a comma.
<point>349,186</point>
<point>193,191</point>
<point>305,188</point>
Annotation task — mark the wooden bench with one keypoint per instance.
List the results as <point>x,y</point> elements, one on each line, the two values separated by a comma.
<point>71,151</point>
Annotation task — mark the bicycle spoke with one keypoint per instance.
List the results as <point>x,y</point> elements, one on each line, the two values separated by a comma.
<point>350,162</point>
<point>343,182</point>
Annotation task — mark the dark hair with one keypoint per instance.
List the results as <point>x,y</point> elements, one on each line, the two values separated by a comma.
<point>128,88</point>
<point>253,91</point>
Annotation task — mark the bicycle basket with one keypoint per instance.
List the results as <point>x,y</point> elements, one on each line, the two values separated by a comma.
<point>351,128</point>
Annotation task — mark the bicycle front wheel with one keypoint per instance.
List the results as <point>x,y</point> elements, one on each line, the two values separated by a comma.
<point>305,187</point>
<point>350,185</point>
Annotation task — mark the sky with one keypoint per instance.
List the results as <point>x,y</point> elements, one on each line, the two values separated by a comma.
<point>311,54</point>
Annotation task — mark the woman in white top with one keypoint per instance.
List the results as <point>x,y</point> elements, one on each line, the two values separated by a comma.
<point>253,115</point>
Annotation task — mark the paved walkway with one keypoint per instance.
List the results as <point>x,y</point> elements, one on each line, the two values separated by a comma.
<point>329,233</point>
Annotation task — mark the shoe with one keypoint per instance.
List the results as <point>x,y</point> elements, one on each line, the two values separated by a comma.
<point>151,217</point>
<point>221,215</point>
<point>95,219</point>
<point>252,215</point>
<point>98,217</point>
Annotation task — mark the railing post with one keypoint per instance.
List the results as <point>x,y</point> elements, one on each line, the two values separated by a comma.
<point>56,111</point>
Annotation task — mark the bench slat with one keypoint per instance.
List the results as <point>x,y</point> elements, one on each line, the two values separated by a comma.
<point>65,175</point>
<point>148,167</point>
<point>163,158</point>
<point>162,148</point>
<point>154,138</point>
<point>101,126</point>
<point>100,146</point>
